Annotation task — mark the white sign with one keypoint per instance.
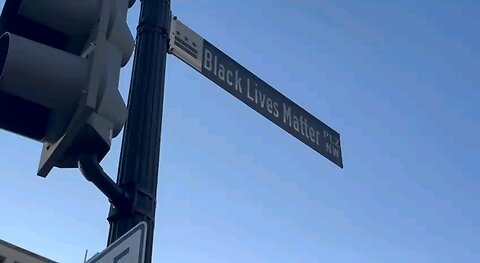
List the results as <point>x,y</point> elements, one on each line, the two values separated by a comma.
<point>186,44</point>
<point>129,248</point>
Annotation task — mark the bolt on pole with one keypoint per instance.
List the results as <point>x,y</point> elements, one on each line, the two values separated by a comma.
<point>140,152</point>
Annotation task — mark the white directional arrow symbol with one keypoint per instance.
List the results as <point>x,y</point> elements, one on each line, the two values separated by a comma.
<point>129,248</point>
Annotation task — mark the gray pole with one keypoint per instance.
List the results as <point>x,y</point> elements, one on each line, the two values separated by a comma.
<point>140,154</point>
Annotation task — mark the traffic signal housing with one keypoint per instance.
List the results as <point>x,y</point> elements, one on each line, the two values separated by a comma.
<point>60,62</point>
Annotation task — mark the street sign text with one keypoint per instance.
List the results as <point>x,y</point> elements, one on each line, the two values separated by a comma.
<point>250,89</point>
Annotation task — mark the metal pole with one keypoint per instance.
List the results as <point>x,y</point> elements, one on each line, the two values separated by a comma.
<point>140,153</point>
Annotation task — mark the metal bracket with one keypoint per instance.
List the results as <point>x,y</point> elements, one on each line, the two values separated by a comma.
<point>134,191</point>
<point>91,47</point>
<point>142,28</point>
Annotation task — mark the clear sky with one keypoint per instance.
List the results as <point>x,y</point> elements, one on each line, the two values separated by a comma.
<point>397,79</point>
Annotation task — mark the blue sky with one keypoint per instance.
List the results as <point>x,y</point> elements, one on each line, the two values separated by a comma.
<point>397,79</point>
